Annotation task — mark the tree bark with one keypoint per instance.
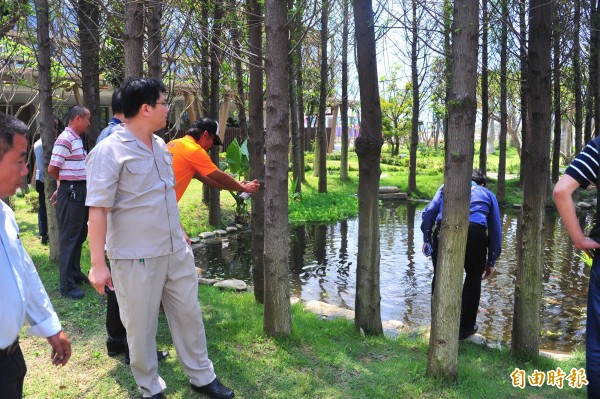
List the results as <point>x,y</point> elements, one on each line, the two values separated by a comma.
<point>88,19</point>
<point>501,185</point>
<point>485,102</point>
<point>528,288</point>
<point>557,100</point>
<point>277,316</point>
<point>299,95</point>
<point>321,155</point>
<point>205,79</point>
<point>344,105</point>
<point>134,38</point>
<point>256,146</point>
<point>154,18</point>
<point>524,81</point>
<point>414,134</point>
<point>368,149</point>
<point>459,148</point>
<point>214,202</point>
<point>46,119</point>
<point>578,72</point>
<point>295,129</point>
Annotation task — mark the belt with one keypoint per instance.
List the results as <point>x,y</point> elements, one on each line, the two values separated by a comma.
<point>10,349</point>
<point>73,181</point>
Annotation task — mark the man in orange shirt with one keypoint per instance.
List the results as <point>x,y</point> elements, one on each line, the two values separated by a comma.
<point>190,159</point>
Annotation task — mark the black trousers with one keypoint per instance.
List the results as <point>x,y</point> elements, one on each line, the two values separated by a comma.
<point>42,214</point>
<point>12,374</point>
<point>72,218</point>
<point>117,335</point>
<point>475,259</point>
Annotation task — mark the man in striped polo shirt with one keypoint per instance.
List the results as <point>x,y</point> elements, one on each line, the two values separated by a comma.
<point>67,166</point>
<point>582,172</point>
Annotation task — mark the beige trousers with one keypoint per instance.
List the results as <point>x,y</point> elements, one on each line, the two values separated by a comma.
<point>140,285</point>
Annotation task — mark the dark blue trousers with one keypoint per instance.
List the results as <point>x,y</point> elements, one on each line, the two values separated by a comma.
<point>12,374</point>
<point>592,342</point>
<point>42,214</point>
<point>72,219</point>
<point>475,259</point>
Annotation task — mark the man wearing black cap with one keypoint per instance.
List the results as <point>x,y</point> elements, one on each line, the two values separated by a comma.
<point>191,159</point>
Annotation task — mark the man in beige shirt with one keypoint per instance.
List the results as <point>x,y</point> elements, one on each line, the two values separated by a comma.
<point>133,212</point>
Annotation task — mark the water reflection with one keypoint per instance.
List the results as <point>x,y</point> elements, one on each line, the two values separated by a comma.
<point>323,267</point>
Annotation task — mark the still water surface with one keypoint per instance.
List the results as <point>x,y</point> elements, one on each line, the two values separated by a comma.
<point>323,267</point>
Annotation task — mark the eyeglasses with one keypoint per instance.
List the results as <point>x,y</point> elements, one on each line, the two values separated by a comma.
<point>166,104</point>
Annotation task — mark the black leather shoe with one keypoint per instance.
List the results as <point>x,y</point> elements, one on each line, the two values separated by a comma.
<point>160,355</point>
<point>115,348</point>
<point>45,240</point>
<point>75,293</point>
<point>215,390</point>
<point>466,334</point>
<point>158,396</point>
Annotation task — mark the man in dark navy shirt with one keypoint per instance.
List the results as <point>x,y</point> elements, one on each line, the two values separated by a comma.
<point>582,172</point>
<point>484,240</point>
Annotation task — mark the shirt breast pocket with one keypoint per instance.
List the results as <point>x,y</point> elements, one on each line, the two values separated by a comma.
<point>170,175</point>
<point>138,176</point>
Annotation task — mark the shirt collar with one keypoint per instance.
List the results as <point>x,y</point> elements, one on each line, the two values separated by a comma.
<point>115,121</point>
<point>73,132</point>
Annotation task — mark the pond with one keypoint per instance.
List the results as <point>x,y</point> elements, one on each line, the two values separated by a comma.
<point>323,267</point>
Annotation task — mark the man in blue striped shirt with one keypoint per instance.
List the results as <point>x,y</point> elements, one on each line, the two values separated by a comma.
<point>484,240</point>
<point>582,172</point>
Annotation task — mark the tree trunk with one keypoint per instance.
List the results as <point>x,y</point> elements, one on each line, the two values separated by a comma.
<point>46,119</point>
<point>88,18</point>
<point>344,105</point>
<point>557,100</point>
<point>414,135</point>
<point>501,185</point>
<point>256,146</point>
<point>239,75</point>
<point>134,38</point>
<point>368,148</point>
<point>459,148</point>
<point>295,130</point>
<point>277,316</point>
<point>485,102</point>
<point>524,80</point>
<point>577,83</point>
<point>205,79</point>
<point>214,201</point>
<point>322,132</point>
<point>154,18</point>
<point>299,91</point>
<point>528,288</point>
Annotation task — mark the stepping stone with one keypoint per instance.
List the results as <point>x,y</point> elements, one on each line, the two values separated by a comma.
<point>205,235</point>
<point>232,284</point>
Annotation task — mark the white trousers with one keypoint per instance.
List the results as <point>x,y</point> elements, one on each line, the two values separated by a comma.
<point>140,285</point>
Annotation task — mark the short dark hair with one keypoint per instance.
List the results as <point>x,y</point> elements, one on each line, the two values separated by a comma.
<point>75,111</point>
<point>116,103</point>
<point>478,177</point>
<point>206,124</point>
<point>9,126</point>
<point>136,92</point>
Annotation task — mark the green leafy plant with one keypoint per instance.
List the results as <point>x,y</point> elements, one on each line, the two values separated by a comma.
<point>238,163</point>
<point>295,196</point>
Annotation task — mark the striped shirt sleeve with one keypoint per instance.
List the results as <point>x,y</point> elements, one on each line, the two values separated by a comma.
<point>584,167</point>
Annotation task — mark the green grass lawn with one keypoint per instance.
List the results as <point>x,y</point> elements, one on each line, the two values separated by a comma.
<point>320,359</point>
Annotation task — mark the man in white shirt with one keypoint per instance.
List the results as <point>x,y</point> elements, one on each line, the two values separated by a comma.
<point>22,294</point>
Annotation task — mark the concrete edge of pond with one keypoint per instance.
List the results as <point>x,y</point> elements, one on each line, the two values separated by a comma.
<point>391,328</point>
